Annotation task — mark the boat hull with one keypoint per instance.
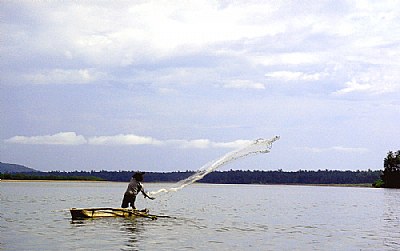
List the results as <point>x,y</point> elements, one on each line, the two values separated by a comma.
<point>88,213</point>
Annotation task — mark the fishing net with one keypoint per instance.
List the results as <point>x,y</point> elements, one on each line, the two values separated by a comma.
<point>255,147</point>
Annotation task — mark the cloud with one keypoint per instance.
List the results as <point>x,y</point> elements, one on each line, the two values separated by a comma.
<point>61,76</point>
<point>293,76</point>
<point>197,143</point>
<point>233,144</point>
<point>62,138</point>
<point>335,149</point>
<point>57,43</point>
<point>71,138</point>
<point>123,139</point>
<point>129,33</point>
<point>377,81</point>
<point>243,84</point>
<point>354,86</point>
<point>288,58</point>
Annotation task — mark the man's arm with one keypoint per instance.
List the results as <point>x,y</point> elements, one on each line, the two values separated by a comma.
<point>146,195</point>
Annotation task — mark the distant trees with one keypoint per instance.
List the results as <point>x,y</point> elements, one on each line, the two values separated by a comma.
<point>216,177</point>
<point>391,173</point>
<point>298,177</point>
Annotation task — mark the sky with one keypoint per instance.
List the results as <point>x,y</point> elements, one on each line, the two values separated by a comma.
<point>172,85</point>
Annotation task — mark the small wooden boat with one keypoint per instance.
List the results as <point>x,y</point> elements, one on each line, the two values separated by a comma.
<point>87,213</point>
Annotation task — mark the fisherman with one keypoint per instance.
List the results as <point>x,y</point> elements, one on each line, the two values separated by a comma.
<point>133,189</point>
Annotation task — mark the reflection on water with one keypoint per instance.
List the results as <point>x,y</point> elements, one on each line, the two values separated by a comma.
<point>132,231</point>
<point>391,218</point>
<point>35,216</point>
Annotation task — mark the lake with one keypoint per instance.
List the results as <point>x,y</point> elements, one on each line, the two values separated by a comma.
<point>35,216</point>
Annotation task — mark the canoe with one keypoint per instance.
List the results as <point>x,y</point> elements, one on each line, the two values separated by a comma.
<point>100,212</point>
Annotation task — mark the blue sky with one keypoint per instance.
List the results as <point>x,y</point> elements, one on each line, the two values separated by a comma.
<point>171,85</point>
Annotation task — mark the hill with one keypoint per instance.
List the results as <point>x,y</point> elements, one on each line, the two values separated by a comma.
<point>15,168</point>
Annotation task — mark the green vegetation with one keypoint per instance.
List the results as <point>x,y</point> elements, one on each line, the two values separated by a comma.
<point>299,177</point>
<point>321,177</point>
<point>391,174</point>
<point>217,177</point>
<point>378,183</point>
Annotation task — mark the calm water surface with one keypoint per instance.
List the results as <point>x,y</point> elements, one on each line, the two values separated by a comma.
<point>35,216</point>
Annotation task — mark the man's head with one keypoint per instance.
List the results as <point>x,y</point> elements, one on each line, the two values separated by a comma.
<point>138,176</point>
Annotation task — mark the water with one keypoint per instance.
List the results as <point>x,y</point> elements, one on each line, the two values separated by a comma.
<point>33,216</point>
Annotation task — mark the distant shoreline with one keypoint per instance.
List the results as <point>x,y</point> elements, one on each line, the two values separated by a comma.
<point>366,185</point>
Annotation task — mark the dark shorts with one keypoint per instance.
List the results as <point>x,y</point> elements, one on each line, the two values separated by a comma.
<point>128,199</point>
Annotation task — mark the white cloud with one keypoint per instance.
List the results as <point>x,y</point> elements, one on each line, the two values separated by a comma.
<point>123,139</point>
<point>60,76</point>
<point>130,33</point>
<point>127,33</point>
<point>293,76</point>
<point>292,58</point>
<point>354,86</point>
<point>377,81</point>
<point>197,143</point>
<point>62,138</point>
<point>233,144</point>
<point>171,25</point>
<point>243,84</point>
<point>71,138</point>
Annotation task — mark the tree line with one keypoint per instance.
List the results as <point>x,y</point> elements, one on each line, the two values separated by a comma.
<point>220,177</point>
<point>389,177</point>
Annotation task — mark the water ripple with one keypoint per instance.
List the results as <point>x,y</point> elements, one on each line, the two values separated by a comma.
<point>35,216</point>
